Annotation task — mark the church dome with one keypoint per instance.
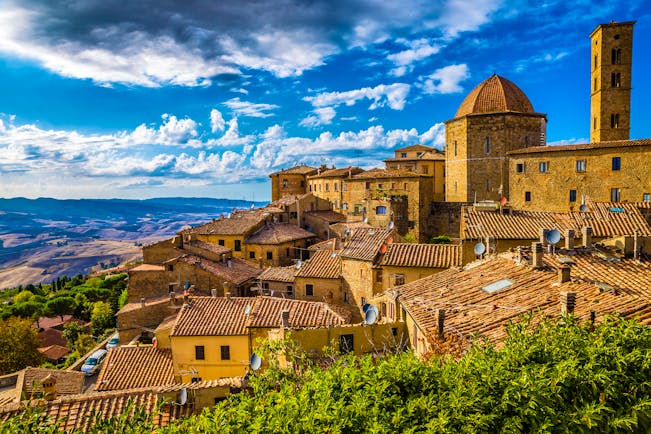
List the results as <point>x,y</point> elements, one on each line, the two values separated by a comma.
<point>495,94</point>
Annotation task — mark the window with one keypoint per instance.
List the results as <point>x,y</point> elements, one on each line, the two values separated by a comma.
<point>270,255</point>
<point>284,183</point>
<point>595,61</point>
<point>290,291</point>
<point>410,224</point>
<point>519,167</point>
<point>265,285</point>
<point>379,186</point>
<point>380,210</point>
<point>455,148</point>
<point>378,275</point>
<point>170,267</point>
<point>403,155</point>
<point>615,194</point>
<point>614,120</point>
<point>572,195</point>
<point>220,242</point>
<point>616,56</point>
<point>404,186</point>
<point>199,352</point>
<point>542,167</point>
<point>309,289</point>
<point>344,187</point>
<point>595,84</point>
<point>225,352</point>
<point>594,123</point>
<point>344,206</point>
<point>327,186</point>
<point>617,163</point>
<point>399,279</point>
<point>392,311</point>
<point>580,165</point>
<point>310,187</point>
<point>345,297</point>
<point>488,145</point>
<point>346,344</point>
<point>251,255</point>
<point>303,184</point>
<point>383,310</point>
<point>527,196</point>
<point>615,79</point>
<point>238,246</point>
<point>646,197</point>
<point>368,185</point>
<point>425,170</point>
<point>336,186</point>
<point>393,185</point>
<point>287,252</point>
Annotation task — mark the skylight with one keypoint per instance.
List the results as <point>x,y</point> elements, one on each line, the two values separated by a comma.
<point>496,286</point>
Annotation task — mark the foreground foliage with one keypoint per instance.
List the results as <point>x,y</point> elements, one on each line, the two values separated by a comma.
<point>556,377</point>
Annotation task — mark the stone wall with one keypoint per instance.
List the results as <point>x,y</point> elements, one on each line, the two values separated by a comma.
<point>162,251</point>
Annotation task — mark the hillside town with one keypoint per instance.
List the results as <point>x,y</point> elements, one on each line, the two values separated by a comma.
<point>437,245</point>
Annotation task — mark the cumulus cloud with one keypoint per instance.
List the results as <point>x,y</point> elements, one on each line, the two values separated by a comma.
<point>446,80</point>
<point>216,121</point>
<point>393,95</point>
<point>255,110</point>
<point>418,50</point>
<point>435,136</point>
<point>321,116</point>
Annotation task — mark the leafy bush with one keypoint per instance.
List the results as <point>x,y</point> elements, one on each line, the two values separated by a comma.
<point>441,239</point>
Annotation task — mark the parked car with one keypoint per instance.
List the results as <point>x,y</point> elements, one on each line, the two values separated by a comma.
<point>92,364</point>
<point>113,342</point>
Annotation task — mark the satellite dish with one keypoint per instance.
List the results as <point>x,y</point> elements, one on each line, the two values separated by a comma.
<point>333,255</point>
<point>247,309</point>
<point>299,263</point>
<point>183,396</point>
<point>583,208</point>
<point>370,317</point>
<point>390,225</point>
<point>365,307</point>
<point>553,236</point>
<point>479,249</point>
<point>503,201</point>
<point>256,362</point>
<point>365,220</point>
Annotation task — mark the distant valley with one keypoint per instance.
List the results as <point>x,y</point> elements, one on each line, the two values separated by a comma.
<point>42,239</point>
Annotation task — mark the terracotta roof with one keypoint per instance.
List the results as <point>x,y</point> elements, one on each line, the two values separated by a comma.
<point>581,146</point>
<point>339,228</point>
<point>324,264</point>
<point>134,367</point>
<point>429,156</point>
<point>337,173</point>
<point>239,272</point>
<point>278,233</point>
<point>79,412</point>
<point>148,267</point>
<point>389,173</point>
<point>233,382</point>
<point>52,336</point>
<point>167,323</point>
<point>209,247</point>
<point>149,301</point>
<point>422,255</point>
<point>278,274</point>
<point>28,381</point>
<point>470,309</point>
<point>219,316</point>
<point>526,225</point>
<point>328,216</point>
<point>327,244</point>
<point>238,223</point>
<point>417,148</point>
<point>495,94</point>
<point>365,243</point>
<point>296,170</point>
<point>54,352</point>
<point>55,321</point>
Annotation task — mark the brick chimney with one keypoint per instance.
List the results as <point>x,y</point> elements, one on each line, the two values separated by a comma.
<point>440,318</point>
<point>537,255</point>
<point>568,300</point>
<point>213,292</point>
<point>228,296</point>
<point>564,273</point>
<point>172,298</point>
<point>142,301</point>
<point>49,385</point>
<point>587,237</point>
<point>569,239</point>
<point>284,318</point>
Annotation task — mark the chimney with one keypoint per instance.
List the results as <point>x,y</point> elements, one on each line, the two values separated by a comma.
<point>537,254</point>
<point>284,318</point>
<point>519,254</point>
<point>543,236</point>
<point>172,298</point>
<point>228,296</point>
<point>49,385</point>
<point>564,273</point>
<point>440,316</point>
<point>568,300</point>
<point>569,239</point>
<point>587,237</point>
<point>223,258</point>
<point>142,301</point>
<point>229,264</point>
<point>213,292</point>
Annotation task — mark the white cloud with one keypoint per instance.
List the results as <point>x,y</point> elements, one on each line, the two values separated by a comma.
<point>418,50</point>
<point>463,15</point>
<point>446,80</point>
<point>255,110</point>
<point>393,95</point>
<point>435,136</point>
<point>216,121</point>
<point>321,116</point>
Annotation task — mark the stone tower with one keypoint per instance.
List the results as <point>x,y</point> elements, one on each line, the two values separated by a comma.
<point>610,100</point>
<point>495,118</point>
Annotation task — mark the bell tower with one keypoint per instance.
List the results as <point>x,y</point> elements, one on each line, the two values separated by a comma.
<point>610,97</point>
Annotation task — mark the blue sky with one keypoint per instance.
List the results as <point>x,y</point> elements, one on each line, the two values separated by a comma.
<point>107,98</point>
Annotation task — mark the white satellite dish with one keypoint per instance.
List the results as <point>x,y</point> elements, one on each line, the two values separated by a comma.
<point>390,225</point>
<point>183,396</point>
<point>553,236</point>
<point>365,307</point>
<point>299,263</point>
<point>247,309</point>
<point>479,249</point>
<point>256,362</point>
<point>365,220</point>
<point>370,317</point>
<point>583,208</point>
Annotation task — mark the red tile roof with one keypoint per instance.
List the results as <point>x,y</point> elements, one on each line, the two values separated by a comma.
<point>417,148</point>
<point>54,352</point>
<point>220,316</point>
<point>296,170</point>
<point>134,367</point>
<point>239,272</point>
<point>278,233</point>
<point>327,244</point>
<point>495,94</point>
<point>526,225</point>
<point>238,223</point>
<point>469,309</point>
<point>27,382</point>
<point>337,173</point>
<point>328,216</point>
<point>581,146</point>
<point>324,264</point>
<point>209,247</point>
<point>278,274</point>
<point>365,243</point>
<point>388,174</point>
<point>422,255</point>
<point>52,337</point>
<point>55,321</point>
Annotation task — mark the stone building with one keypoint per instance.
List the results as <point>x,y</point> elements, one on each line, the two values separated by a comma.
<point>291,181</point>
<point>330,185</point>
<point>495,118</point>
<point>424,160</point>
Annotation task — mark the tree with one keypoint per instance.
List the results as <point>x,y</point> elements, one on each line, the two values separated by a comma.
<point>71,332</point>
<point>18,345</point>
<point>101,317</point>
<point>28,309</point>
<point>23,296</point>
<point>60,306</point>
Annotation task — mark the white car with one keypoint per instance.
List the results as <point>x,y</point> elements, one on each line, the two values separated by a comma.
<point>113,342</point>
<point>92,364</point>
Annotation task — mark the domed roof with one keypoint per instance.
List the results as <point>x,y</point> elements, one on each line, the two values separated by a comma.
<point>495,94</point>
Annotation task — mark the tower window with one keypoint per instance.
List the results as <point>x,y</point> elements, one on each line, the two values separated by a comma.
<point>617,163</point>
<point>403,155</point>
<point>614,120</point>
<point>615,79</point>
<point>595,61</point>
<point>572,195</point>
<point>595,84</point>
<point>594,123</point>
<point>455,148</point>
<point>616,56</point>
<point>488,145</point>
<point>527,196</point>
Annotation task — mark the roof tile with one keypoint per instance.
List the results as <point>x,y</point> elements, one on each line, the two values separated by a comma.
<point>422,255</point>
<point>134,367</point>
